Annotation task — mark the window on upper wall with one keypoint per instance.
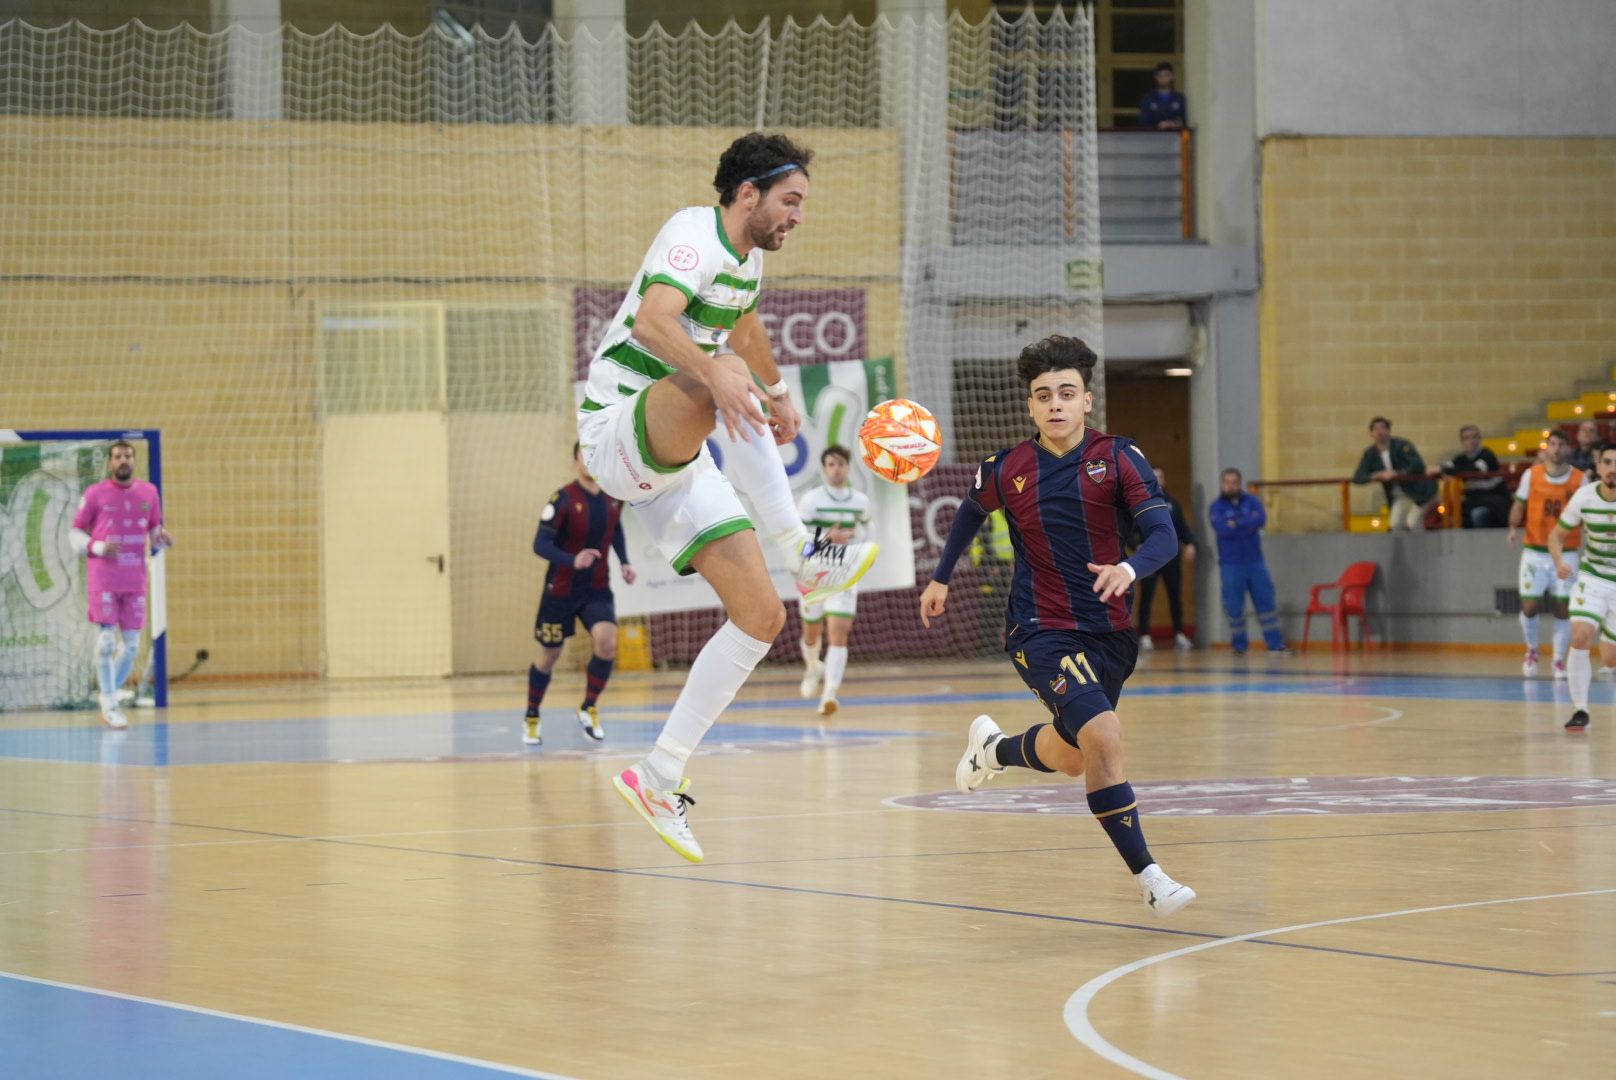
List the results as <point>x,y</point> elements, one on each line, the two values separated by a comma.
<point>1130,38</point>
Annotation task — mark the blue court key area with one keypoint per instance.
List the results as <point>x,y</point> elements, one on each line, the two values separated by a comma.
<point>55,1031</point>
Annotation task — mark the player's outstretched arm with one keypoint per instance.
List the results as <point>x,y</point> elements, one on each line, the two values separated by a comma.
<point>751,342</point>
<point>656,327</point>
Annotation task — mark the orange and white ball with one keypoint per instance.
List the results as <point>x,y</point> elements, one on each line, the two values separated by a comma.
<point>900,440</point>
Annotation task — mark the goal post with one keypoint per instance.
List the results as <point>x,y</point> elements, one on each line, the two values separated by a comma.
<point>46,643</point>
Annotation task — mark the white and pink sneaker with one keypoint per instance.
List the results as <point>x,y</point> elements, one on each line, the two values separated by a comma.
<point>664,811</point>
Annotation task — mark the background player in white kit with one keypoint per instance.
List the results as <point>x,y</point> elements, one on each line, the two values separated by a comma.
<point>115,519</point>
<point>680,355</point>
<point>1593,599</point>
<point>839,509</point>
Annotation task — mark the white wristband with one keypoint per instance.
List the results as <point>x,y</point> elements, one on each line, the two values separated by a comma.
<point>1133,575</point>
<point>97,547</point>
<point>779,389</point>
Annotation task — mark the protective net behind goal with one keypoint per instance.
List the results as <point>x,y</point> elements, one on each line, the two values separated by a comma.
<point>355,280</point>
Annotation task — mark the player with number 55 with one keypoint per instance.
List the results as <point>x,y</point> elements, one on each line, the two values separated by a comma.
<point>1070,494</point>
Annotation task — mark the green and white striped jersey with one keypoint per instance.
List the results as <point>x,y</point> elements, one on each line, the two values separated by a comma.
<point>693,255</point>
<point>825,507</point>
<point>1597,516</point>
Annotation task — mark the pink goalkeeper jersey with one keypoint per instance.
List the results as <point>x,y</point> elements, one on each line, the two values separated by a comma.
<point>110,511</point>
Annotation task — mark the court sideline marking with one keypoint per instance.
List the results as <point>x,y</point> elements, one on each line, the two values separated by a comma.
<point>1076,1012</point>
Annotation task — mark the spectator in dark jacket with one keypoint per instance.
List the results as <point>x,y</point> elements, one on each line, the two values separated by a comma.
<point>1170,575</point>
<point>1587,445</point>
<point>1387,458</point>
<point>1163,108</point>
<point>1486,502</point>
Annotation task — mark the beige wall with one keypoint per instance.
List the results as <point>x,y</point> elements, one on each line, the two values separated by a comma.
<point>1437,281</point>
<point>170,274</point>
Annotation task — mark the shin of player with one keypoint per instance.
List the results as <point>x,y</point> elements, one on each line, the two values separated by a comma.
<point>1070,493</point>
<point>115,519</point>
<point>1593,598</point>
<point>838,511</point>
<point>576,527</point>
<point>1543,493</point>
<point>681,354</point>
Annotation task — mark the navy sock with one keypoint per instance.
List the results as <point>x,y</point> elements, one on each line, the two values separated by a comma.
<point>1021,750</point>
<point>596,675</point>
<point>537,683</point>
<point>1118,812</point>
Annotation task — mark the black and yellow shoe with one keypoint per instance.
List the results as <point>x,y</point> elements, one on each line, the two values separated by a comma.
<point>530,731</point>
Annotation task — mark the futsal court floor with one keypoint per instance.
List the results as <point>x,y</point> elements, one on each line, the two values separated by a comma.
<point>1405,868</point>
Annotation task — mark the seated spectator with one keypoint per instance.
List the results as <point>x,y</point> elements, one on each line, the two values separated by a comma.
<point>1587,446</point>
<point>1385,460</point>
<point>1486,502</point>
<point>1163,108</point>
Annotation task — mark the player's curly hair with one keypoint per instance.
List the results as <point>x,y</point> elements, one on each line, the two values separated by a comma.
<point>1056,353</point>
<point>755,157</point>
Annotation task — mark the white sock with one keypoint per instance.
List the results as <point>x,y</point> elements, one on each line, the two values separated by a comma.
<point>720,668</point>
<point>1529,631</point>
<point>835,668</point>
<point>126,659</point>
<point>1579,672</point>
<point>106,660</point>
<point>1562,637</point>
<point>756,468</point>
<point>810,655</point>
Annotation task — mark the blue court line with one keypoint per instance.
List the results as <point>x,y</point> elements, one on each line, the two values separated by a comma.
<point>801,890</point>
<point>56,1029</point>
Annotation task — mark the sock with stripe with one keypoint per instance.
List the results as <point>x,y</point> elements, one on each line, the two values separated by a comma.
<point>1118,812</point>
<point>1529,630</point>
<point>1562,638</point>
<point>596,674</point>
<point>1021,751</point>
<point>537,683</point>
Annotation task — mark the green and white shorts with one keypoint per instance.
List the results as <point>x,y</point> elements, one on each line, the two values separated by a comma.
<point>683,507</point>
<point>1594,600</point>
<point>844,603</point>
<point>1538,579</point>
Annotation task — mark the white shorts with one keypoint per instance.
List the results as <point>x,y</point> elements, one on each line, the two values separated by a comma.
<point>844,603</point>
<point>1594,600</point>
<point>1538,579</point>
<point>684,508</point>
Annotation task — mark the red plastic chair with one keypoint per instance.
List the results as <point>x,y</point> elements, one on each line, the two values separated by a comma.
<point>1352,586</point>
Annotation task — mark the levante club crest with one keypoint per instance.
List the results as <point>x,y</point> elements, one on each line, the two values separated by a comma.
<point>1096,471</point>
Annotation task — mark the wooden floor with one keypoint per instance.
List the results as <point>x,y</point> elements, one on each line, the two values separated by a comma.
<point>1405,868</point>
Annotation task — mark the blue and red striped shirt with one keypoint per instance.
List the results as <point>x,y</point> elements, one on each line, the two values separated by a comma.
<point>1066,511</point>
<point>572,521</point>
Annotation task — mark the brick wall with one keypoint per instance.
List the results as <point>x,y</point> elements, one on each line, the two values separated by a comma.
<point>1437,281</point>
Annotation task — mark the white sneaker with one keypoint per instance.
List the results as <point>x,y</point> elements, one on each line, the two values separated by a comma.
<point>530,731</point>
<point>810,683</point>
<point>589,720</point>
<point>831,568</point>
<point>1529,665</point>
<point>1145,644</point>
<point>114,718</point>
<point>126,697</point>
<point>1182,643</point>
<point>1163,896</point>
<point>828,706</point>
<point>1559,669</point>
<point>664,811</point>
<point>978,765</point>
<point>1606,673</point>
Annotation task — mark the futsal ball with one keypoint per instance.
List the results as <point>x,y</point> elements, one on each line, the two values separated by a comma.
<point>900,440</point>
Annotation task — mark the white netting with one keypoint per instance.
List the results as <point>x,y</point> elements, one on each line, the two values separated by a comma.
<point>323,264</point>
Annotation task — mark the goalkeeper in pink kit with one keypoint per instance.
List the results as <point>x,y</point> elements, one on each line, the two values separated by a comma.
<point>115,519</point>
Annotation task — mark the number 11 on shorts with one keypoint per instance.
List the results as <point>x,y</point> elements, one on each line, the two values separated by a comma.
<point>1079,668</point>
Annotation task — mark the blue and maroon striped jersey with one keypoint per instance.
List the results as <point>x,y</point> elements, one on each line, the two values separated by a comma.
<point>1066,511</point>
<point>579,520</point>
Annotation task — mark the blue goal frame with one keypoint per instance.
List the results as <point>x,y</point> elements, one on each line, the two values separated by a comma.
<point>157,583</point>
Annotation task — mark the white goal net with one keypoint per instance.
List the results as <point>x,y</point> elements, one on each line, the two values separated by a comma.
<point>354,279</point>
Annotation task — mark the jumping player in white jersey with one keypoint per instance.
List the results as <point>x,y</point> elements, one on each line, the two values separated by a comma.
<point>680,359</point>
<point>840,509</point>
<point>1593,600</point>
<point>115,519</point>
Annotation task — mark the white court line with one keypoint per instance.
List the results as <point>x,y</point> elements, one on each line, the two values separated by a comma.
<point>512,1070</point>
<point>1077,1006</point>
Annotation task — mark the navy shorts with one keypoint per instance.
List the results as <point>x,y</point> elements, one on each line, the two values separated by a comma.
<point>1076,674</point>
<point>557,614</point>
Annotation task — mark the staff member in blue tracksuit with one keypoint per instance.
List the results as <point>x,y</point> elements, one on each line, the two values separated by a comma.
<point>1238,518</point>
